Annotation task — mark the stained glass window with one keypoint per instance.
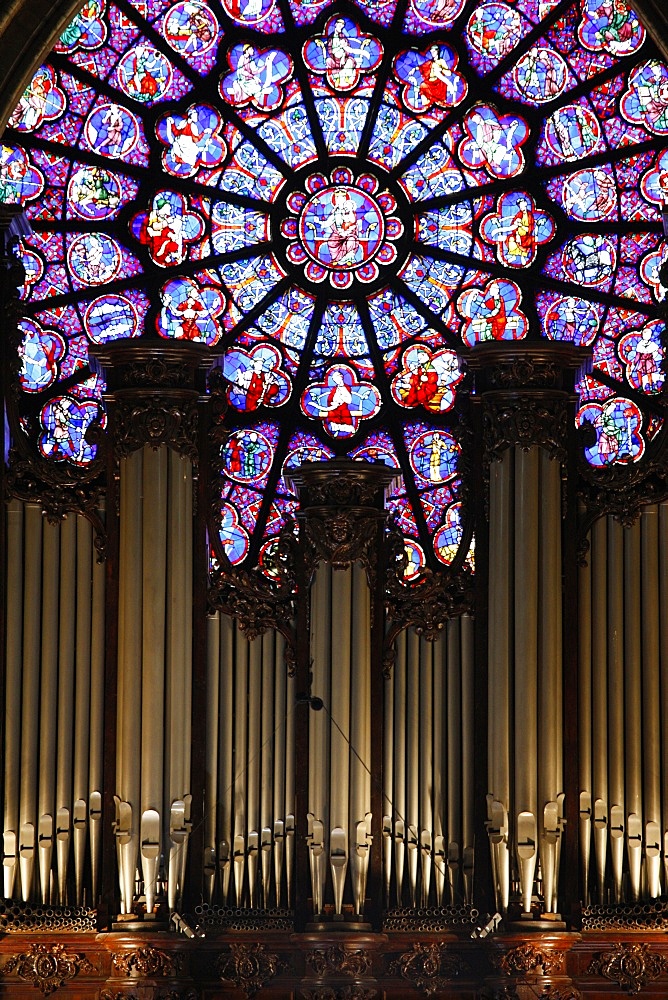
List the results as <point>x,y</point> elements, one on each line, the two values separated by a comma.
<point>341,200</point>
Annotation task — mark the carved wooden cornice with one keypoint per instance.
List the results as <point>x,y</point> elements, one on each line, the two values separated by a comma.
<point>47,967</point>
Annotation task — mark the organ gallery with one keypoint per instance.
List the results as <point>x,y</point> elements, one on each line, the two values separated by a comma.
<point>335,537</point>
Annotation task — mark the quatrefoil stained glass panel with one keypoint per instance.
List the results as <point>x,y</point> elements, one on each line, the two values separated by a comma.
<point>341,200</point>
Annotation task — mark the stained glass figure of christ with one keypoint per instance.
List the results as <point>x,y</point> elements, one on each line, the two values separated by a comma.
<point>341,199</point>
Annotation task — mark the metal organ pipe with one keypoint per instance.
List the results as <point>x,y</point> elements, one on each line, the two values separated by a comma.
<point>468,754</point>
<point>585,722</point>
<point>550,735</point>
<point>84,594</point>
<point>30,703</point>
<point>632,702</point>
<point>651,706</point>
<point>429,758</point>
<point>599,617</point>
<point>129,679</point>
<point>211,765</point>
<point>498,655</point>
<point>48,707</point>
<point>96,725</point>
<point>66,674</point>
<point>13,673</point>
<point>339,824</point>
<point>616,701</point>
<point>48,740</point>
<point>526,666</point>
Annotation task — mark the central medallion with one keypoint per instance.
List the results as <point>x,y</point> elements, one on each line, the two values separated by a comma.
<point>342,227</point>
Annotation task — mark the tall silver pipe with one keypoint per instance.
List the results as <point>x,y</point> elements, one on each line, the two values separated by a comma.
<point>290,698</point>
<point>453,768</point>
<point>253,762</point>
<point>360,735</point>
<point>585,776</point>
<point>30,704</point>
<point>428,764</point>
<point>267,736</point>
<point>13,670</point>
<point>213,668</point>
<point>439,774</point>
<point>633,706</point>
<point>599,617</point>
<point>340,733</point>
<point>66,675</point>
<point>84,594</point>
<point>412,759</point>
<point>468,753</point>
<point>501,530</point>
<point>227,787</point>
<point>550,751</point>
<point>280,765</point>
<point>239,845</point>
<point>615,702</point>
<point>388,783</point>
<point>400,798</point>
<point>96,726</point>
<point>651,705</point>
<point>128,732</point>
<point>154,575</point>
<point>48,706</point>
<point>319,731</point>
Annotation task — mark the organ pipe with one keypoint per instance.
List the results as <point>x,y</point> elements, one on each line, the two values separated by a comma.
<point>30,702</point>
<point>633,707</point>
<point>600,701</point>
<point>453,756</point>
<point>526,667</point>
<point>615,702</point>
<point>498,654</point>
<point>585,723</point>
<point>84,594</point>
<point>48,707</point>
<point>13,673</point>
<point>651,708</point>
<point>128,741</point>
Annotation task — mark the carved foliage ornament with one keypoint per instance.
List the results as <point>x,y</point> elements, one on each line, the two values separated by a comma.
<point>429,967</point>
<point>149,962</point>
<point>631,966</point>
<point>46,967</point>
<point>525,422</point>
<point>168,994</point>
<point>248,966</point>
<point>155,420</point>
<point>337,961</point>
<point>527,958</point>
<point>341,537</point>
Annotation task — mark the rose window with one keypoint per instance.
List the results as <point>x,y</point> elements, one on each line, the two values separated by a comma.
<point>342,200</point>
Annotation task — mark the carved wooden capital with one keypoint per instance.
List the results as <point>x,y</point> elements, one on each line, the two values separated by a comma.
<point>429,967</point>
<point>526,422</point>
<point>156,419</point>
<point>46,967</point>
<point>630,966</point>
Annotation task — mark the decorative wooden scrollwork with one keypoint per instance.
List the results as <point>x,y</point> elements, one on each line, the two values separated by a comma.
<point>149,961</point>
<point>355,992</point>
<point>527,958</point>
<point>336,961</point>
<point>429,967</point>
<point>46,967</point>
<point>630,966</point>
<point>248,966</point>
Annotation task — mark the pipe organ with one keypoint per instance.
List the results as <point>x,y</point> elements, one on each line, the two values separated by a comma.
<point>317,781</point>
<point>428,825</point>
<point>154,674</point>
<point>249,812</point>
<point>622,700</point>
<point>53,722</point>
